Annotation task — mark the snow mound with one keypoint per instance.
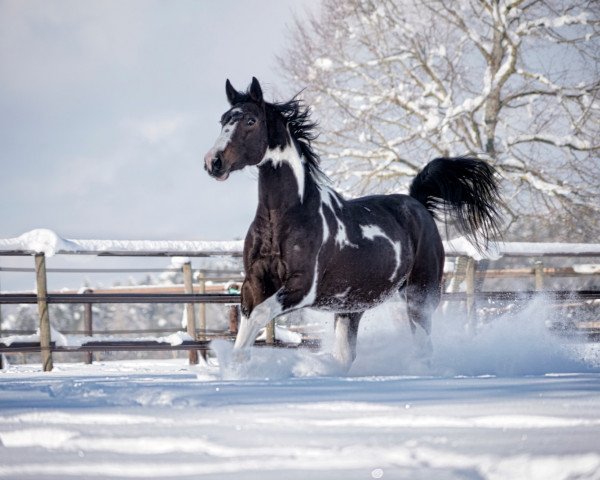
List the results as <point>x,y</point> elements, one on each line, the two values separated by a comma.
<point>40,240</point>
<point>462,246</point>
<point>50,243</point>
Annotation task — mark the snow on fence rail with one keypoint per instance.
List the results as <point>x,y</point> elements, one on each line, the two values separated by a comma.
<point>44,243</point>
<point>49,243</point>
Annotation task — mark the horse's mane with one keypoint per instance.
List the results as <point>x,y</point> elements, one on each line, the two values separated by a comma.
<point>296,116</point>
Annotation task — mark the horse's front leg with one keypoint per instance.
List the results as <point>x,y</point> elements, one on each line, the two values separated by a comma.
<point>297,292</point>
<point>262,314</point>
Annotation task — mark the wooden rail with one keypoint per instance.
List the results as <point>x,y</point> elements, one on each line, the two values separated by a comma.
<point>225,298</point>
<point>140,345</point>
<point>43,298</point>
<point>32,298</point>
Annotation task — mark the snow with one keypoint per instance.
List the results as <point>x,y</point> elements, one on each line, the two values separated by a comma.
<point>40,241</point>
<point>513,163</point>
<point>323,63</point>
<point>511,402</point>
<point>176,338</point>
<point>556,22</point>
<point>462,246</point>
<point>587,268</point>
<point>284,334</point>
<point>562,141</point>
<point>50,243</point>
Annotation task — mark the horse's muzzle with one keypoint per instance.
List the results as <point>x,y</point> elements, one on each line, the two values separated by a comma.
<point>213,164</point>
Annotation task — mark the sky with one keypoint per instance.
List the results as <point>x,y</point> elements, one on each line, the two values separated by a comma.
<point>108,107</point>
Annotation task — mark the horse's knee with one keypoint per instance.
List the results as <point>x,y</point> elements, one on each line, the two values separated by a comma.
<point>297,292</point>
<point>246,300</point>
<point>254,292</point>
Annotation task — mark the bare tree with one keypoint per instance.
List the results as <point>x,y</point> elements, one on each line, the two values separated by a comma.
<point>397,82</point>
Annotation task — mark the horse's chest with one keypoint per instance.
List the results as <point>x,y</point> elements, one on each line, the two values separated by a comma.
<point>264,257</point>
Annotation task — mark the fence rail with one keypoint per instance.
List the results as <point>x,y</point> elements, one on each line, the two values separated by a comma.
<point>138,345</point>
<point>218,298</point>
<point>54,298</point>
<point>196,295</point>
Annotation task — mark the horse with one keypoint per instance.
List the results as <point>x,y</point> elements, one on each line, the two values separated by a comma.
<point>308,246</point>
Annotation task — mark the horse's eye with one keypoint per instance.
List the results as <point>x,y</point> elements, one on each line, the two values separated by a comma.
<point>250,122</point>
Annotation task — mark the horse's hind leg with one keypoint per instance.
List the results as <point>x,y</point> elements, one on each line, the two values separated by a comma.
<point>346,331</point>
<point>422,298</point>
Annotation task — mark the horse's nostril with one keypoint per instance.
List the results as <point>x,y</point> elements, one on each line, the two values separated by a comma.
<point>217,163</point>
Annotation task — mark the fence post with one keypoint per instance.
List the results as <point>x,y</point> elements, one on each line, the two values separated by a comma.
<point>42,301</point>
<point>458,276</point>
<point>1,354</point>
<point>538,270</point>
<point>470,291</point>
<point>270,333</point>
<point>234,319</point>
<point>202,306</point>
<point>189,310</point>
<point>88,326</point>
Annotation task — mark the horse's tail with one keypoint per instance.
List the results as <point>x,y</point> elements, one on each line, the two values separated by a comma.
<point>467,190</point>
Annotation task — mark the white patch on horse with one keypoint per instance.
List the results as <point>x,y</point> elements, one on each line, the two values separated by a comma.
<point>328,197</point>
<point>325,225</point>
<point>342,295</point>
<point>311,295</point>
<point>371,231</point>
<point>288,155</point>
<point>261,315</point>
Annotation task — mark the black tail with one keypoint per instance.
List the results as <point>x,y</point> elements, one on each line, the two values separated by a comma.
<point>467,190</point>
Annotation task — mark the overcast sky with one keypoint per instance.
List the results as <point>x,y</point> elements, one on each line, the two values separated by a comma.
<point>107,109</point>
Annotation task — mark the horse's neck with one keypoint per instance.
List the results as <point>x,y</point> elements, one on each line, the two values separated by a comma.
<point>283,186</point>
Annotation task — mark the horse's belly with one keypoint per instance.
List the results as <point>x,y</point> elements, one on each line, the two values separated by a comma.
<point>352,300</point>
<point>355,282</point>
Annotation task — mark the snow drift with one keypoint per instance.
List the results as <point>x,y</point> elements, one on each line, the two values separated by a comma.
<point>512,345</point>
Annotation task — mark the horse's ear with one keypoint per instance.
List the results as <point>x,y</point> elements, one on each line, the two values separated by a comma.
<point>255,91</point>
<point>232,93</point>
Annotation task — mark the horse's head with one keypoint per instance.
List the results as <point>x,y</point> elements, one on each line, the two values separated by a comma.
<point>244,138</point>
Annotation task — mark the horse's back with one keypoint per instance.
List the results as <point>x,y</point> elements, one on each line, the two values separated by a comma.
<point>405,216</point>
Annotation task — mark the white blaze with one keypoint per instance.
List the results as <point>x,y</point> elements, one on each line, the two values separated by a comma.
<point>223,139</point>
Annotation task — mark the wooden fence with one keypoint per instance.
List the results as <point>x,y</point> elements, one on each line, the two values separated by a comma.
<point>465,273</point>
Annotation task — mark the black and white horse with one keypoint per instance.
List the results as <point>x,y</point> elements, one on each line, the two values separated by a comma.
<point>310,247</point>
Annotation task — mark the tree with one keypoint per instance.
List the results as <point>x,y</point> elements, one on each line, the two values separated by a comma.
<point>395,83</point>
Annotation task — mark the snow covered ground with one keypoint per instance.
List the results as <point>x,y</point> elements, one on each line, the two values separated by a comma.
<point>512,402</point>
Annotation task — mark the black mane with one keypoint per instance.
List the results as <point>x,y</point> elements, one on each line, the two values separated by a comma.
<point>296,115</point>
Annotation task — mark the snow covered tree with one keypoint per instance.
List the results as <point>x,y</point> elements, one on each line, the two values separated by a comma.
<point>395,83</point>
